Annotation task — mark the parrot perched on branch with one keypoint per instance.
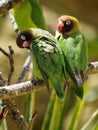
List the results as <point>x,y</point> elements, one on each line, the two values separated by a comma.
<point>48,60</point>
<point>74,48</point>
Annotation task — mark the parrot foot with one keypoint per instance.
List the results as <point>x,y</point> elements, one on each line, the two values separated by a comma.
<point>36,81</point>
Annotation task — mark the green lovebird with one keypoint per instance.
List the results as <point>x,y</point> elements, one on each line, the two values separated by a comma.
<point>74,48</point>
<point>48,62</point>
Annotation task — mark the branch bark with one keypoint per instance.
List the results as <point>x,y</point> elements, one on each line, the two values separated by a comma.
<point>6,5</point>
<point>34,85</point>
<point>11,61</point>
<point>20,89</point>
<point>92,68</point>
<point>25,68</point>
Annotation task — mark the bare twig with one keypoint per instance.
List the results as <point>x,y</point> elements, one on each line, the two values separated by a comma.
<point>6,5</point>
<point>12,19</point>
<point>32,121</point>
<point>2,81</point>
<point>15,114</point>
<point>93,121</point>
<point>10,104</point>
<point>10,57</point>
<point>4,52</point>
<point>25,68</point>
<point>92,68</point>
<point>11,64</point>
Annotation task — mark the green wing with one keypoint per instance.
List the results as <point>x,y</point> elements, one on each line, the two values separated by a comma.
<point>75,54</point>
<point>81,56</point>
<point>81,59</point>
<point>22,15</point>
<point>49,60</point>
<point>37,14</point>
<point>29,14</point>
<point>67,46</point>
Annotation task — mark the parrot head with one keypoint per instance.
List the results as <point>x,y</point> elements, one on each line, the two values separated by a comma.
<point>67,25</point>
<point>24,39</point>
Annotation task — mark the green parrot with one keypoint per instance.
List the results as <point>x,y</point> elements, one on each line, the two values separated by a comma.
<point>48,62</point>
<point>27,14</point>
<point>74,48</point>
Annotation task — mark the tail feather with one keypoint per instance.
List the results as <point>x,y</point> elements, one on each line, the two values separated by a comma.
<point>59,92</point>
<point>79,91</point>
<point>57,85</point>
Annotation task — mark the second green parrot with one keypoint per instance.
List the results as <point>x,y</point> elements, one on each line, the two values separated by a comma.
<point>27,14</point>
<point>48,60</point>
<point>74,48</point>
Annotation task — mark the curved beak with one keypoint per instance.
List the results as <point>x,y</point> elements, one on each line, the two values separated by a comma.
<point>60,26</point>
<point>26,44</point>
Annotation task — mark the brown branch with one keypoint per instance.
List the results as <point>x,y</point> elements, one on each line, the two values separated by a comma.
<point>15,114</point>
<point>28,87</point>
<point>2,81</point>
<point>10,57</point>
<point>92,68</point>
<point>4,52</point>
<point>6,5</point>
<point>11,64</point>
<point>25,68</point>
<point>12,19</point>
<point>32,120</point>
<point>10,104</point>
<point>7,92</point>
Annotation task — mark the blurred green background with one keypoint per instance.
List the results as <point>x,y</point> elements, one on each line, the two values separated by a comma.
<point>87,12</point>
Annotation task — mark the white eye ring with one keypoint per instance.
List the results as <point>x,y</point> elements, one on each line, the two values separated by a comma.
<point>23,37</point>
<point>68,22</point>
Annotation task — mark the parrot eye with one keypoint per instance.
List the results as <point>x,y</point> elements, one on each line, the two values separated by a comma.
<point>23,37</point>
<point>68,22</point>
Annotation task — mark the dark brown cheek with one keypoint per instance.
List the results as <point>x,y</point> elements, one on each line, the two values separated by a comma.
<point>19,45</point>
<point>67,28</point>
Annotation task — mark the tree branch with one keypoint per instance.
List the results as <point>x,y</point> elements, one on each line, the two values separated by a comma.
<point>92,68</point>
<point>10,57</point>
<point>7,92</point>
<point>15,115</point>
<point>10,104</point>
<point>25,68</point>
<point>6,5</point>
<point>20,89</point>
<point>32,120</point>
<point>34,85</point>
